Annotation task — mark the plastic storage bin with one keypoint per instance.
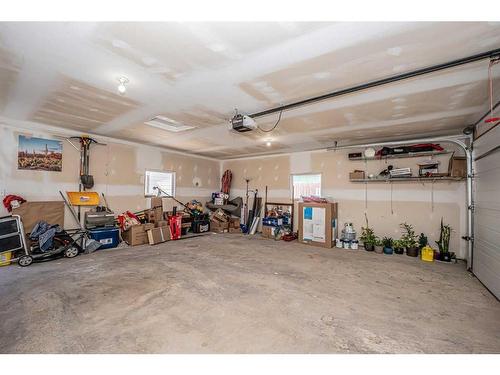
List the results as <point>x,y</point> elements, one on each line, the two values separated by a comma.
<point>108,237</point>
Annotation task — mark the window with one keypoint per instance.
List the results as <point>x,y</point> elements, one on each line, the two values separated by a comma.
<point>164,180</point>
<point>306,184</point>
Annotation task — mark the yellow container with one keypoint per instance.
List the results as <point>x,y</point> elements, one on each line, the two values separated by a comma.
<point>5,258</point>
<point>427,254</point>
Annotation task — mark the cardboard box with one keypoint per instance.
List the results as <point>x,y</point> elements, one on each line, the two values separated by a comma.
<point>161,223</point>
<point>268,231</point>
<point>32,212</point>
<point>218,227</point>
<point>148,226</point>
<point>158,214</point>
<point>154,215</point>
<point>157,202</point>
<point>135,235</point>
<point>357,175</point>
<point>234,230</point>
<point>220,216</point>
<point>317,223</point>
<point>234,222</point>
<point>457,166</point>
<point>150,216</point>
<point>158,235</point>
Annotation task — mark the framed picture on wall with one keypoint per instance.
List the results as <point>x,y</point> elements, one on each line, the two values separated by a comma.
<point>39,154</point>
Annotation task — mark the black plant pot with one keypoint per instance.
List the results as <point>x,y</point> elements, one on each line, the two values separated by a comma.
<point>445,257</point>
<point>368,246</point>
<point>412,251</point>
<point>399,250</point>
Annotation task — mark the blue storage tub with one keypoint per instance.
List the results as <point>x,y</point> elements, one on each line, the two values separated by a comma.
<point>108,237</point>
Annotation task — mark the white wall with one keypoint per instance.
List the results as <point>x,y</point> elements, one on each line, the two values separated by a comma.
<point>420,204</point>
<point>118,170</point>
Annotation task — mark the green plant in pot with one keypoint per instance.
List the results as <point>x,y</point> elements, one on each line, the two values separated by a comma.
<point>398,246</point>
<point>422,241</point>
<point>379,245</point>
<point>368,236</point>
<point>388,243</point>
<point>444,242</point>
<point>410,239</point>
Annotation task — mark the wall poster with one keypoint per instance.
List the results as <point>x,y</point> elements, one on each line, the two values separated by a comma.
<point>39,154</point>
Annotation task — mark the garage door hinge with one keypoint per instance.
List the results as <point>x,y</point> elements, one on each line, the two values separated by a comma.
<point>471,207</point>
<point>468,238</point>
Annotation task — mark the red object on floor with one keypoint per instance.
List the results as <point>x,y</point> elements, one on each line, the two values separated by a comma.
<point>9,198</point>
<point>175,223</point>
<point>492,119</point>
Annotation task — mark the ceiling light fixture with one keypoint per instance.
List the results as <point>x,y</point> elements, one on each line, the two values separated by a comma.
<point>122,89</point>
<point>370,152</point>
<point>268,143</point>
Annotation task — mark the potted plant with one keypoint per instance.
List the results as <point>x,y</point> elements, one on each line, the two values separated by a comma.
<point>398,246</point>
<point>388,242</point>
<point>410,239</point>
<point>444,242</point>
<point>422,240</point>
<point>368,236</point>
<point>379,245</point>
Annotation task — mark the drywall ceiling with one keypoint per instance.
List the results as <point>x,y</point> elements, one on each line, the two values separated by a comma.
<point>65,75</point>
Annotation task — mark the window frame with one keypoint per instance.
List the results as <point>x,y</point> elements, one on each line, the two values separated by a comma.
<point>306,174</point>
<point>174,182</point>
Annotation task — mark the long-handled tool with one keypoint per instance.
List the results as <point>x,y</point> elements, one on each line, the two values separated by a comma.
<point>87,244</point>
<point>71,210</point>
<point>86,179</point>
<point>161,191</point>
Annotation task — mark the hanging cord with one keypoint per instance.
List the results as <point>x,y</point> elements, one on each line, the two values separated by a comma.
<point>490,79</point>
<point>274,127</point>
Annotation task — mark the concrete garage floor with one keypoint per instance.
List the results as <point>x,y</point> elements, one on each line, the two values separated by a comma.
<point>233,294</point>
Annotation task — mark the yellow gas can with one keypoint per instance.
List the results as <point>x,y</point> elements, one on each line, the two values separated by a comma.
<point>428,254</point>
<point>5,258</point>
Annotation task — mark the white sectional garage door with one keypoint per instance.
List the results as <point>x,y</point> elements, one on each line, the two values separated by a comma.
<point>486,257</point>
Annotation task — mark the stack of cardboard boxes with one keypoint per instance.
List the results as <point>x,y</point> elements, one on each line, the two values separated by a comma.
<point>234,225</point>
<point>153,232</point>
<point>269,231</point>
<point>220,222</point>
<point>137,234</point>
